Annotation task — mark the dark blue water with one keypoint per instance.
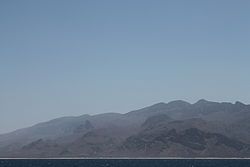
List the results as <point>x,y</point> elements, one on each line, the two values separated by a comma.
<point>125,163</point>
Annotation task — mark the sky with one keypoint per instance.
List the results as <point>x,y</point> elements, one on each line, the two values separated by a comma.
<point>68,58</point>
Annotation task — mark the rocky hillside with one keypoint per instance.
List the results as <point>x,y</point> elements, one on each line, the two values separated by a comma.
<point>174,129</point>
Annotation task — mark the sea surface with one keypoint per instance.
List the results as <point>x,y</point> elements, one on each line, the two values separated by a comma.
<point>124,162</point>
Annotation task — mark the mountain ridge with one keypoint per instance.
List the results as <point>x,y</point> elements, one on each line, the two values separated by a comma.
<point>108,134</point>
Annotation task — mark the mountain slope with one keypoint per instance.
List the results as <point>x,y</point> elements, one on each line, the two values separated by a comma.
<point>177,128</point>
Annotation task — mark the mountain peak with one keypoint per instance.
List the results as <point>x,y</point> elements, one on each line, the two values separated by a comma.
<point>204,102</point>
<point>158,105</point>
<point>178,103</point>
<point>238,103</point>
<point>171,105</point>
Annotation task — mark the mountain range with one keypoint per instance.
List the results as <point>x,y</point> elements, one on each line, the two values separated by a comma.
<point>174,129</point>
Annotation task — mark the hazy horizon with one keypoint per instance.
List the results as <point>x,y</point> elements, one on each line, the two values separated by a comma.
<point>68,58</point>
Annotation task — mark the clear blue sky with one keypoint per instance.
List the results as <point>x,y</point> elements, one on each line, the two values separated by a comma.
<point>60,58</point>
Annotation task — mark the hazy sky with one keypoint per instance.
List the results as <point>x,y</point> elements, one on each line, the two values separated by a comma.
<point>61,58</point>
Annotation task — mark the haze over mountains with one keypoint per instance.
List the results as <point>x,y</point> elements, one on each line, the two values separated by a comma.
<point>174,129</point>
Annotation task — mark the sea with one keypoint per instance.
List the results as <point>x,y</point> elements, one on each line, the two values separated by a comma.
<point>124,162</point>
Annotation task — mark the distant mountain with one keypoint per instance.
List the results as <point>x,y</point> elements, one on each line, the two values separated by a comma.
<point>174,129</point>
